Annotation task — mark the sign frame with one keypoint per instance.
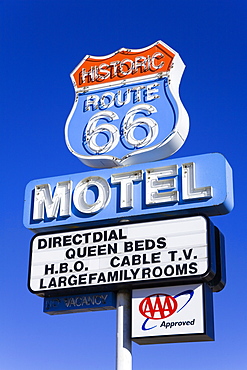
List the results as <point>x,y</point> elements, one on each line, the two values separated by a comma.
<point>210,171</point>
<point>207,334</point>
<point>97,89</point>
<point>207,276</point>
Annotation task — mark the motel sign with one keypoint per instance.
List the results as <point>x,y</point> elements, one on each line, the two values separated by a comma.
<point>137,226</point>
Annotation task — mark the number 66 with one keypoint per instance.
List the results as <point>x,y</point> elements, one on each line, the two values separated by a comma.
<point>129,125</point>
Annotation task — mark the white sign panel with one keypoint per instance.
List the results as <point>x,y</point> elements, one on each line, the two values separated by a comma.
<point>172,314</point>
<point>141,253</point>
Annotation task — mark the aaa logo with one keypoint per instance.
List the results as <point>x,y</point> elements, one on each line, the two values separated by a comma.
<point>160,306</point>
<point>127,108</point>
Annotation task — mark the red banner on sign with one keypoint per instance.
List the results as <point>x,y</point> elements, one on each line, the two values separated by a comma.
<point>123,64</point>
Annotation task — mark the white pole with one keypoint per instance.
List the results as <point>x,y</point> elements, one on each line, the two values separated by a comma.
<point>124,343</point>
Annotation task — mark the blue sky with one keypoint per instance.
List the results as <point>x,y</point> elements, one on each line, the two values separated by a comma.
<point>41,43</point>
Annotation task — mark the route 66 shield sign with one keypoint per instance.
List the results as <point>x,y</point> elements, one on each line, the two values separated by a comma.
<point>127,108</point>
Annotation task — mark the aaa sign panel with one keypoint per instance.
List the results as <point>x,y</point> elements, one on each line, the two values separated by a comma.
<point>172,314</point>
<point>109,258</point>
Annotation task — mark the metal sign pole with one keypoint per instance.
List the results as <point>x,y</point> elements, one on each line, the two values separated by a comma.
<point>124,343</point>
